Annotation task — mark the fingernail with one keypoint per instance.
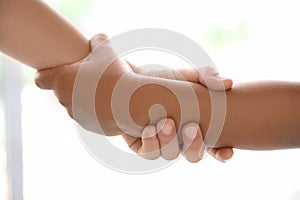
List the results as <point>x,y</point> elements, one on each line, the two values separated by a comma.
<point>227,83</point>
<point>190,132</point>
<point>167,129</point>
<point>149,132</point>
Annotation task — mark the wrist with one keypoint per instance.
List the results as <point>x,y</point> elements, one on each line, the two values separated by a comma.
<point>182,101</point>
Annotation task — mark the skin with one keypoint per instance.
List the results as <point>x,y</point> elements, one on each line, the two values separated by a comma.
<point>61,80</point>
<point>161,142</point>
<point>273,107</point>
<point>57,43</point>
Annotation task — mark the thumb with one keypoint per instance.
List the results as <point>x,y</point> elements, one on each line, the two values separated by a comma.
<point>132,66</point>
<point>221,154</point>
<point>97,39</point>
<point>44,79</point>
<point>188,74</point>
<point>210,78</point>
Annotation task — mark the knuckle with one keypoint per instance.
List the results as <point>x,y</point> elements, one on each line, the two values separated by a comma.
<point>171,155</point>
<point>166,130</point>
<point>169,122</point>
<point>63,89</point>
<point>149,132</point>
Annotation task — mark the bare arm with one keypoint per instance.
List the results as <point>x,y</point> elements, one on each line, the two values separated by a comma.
<point>33,33</point>
<point>259,115</point>
<point>263,115</point>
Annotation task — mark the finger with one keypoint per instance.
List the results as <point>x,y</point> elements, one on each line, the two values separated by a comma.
<point>193,145</point>
<point>133,143</point>
<point>150,144</point>
<point>221,154</point>
<point>210,78</point>
<point>168,140</point>
<point>187,74</point>
<point>132,66</point>
<point>44,79</point>
<point>97,39</point>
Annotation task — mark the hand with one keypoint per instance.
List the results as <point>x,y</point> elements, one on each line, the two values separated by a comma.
<point>161,139</point>
<point>62,81</point>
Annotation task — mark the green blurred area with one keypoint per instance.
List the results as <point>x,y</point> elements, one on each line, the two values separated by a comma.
<point>220,38</point>
<point>76,10</point>
<point>28,74</point>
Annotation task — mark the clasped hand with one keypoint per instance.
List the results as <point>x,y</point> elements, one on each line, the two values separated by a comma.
<point>154,140</point>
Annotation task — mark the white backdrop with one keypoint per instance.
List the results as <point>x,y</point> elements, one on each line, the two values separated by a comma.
<point>56,165</point>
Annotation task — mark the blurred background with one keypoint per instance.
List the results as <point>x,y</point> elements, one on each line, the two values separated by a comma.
<point>247,40</point>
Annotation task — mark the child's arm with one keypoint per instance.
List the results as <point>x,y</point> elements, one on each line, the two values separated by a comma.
<point>33,33</point>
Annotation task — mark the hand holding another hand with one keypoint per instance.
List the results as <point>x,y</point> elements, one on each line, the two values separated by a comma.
<point>157,140</point>
<point>161,139</point>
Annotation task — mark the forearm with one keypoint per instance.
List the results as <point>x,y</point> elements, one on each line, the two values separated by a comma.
<point>261,115</point>
<point>33,33</point>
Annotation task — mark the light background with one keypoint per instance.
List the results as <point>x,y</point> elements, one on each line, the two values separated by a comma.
<point>247,40</point>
